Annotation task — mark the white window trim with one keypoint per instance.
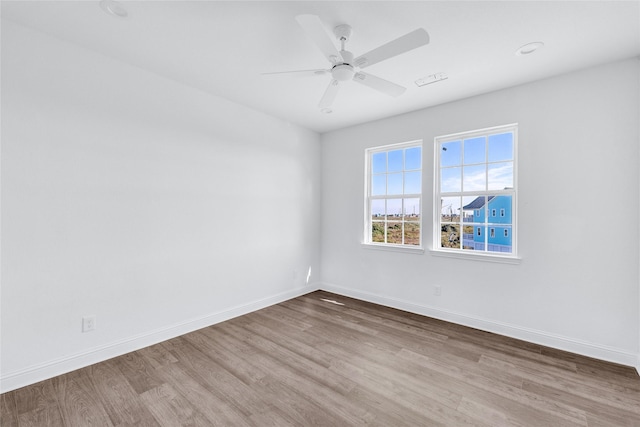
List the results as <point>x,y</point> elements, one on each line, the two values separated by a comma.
<point>366,243</point>
<point>513,257</point>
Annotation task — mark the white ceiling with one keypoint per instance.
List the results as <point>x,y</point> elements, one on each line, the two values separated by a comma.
<point>223,47</point>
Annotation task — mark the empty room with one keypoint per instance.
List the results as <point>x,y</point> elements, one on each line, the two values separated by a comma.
<point>294,213</point>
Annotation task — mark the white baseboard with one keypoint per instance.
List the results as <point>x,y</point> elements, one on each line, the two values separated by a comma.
<point>531,335</point>
<point>13,380</point>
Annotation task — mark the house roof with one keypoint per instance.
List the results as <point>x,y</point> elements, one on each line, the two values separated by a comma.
<point>477,203</point>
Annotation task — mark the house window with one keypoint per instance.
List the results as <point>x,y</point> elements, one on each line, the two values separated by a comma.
<point>475,175</point>
<point>394,195</point>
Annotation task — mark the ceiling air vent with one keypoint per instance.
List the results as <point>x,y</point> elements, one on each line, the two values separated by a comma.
<point>431,78</point>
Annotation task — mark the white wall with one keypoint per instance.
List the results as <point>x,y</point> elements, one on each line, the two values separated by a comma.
<point>577,284</point>
<point>153,206</point>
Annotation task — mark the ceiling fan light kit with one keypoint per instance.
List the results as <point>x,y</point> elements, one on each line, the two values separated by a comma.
<point>344,67</point>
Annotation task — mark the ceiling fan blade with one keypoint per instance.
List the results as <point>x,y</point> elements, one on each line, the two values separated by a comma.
<point>298,73</point>
<point>379,84</point>
<point>317,32</point>
<point>408,42</point>
<point>329,94</point>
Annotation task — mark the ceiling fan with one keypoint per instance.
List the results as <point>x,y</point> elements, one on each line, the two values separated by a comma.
<point>345,67</point>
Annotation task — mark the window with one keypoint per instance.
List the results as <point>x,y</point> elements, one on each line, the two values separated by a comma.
<point>475,177</point>
<point>394,195</point>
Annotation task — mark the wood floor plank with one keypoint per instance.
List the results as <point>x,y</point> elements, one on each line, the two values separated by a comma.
<point>79,402</point>
<point>260,338</point>
<point>139,372</point>
<point>594,409</point>
<point>8,410</point>
<point>217,411</point>
<point>37,405</point>
<point>171,409</point>
<point>220,382</point>
<point>564,381</point>
<point>120,401</point>
<point>315,383</point>
<point>496,385</point>
<point>310,361</point>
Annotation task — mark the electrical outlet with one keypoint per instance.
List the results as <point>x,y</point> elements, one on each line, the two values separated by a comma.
<point>88,323</point>
<point>437,291</point>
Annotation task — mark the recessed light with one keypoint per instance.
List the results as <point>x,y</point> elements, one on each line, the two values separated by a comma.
<point>114,8</point>
<point>529,48</point>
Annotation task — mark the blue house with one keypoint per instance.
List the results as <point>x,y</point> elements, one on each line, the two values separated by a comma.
<point>491,224</point>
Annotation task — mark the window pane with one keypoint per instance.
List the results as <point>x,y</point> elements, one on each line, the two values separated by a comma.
<point>501,147</point>
<point>450,236</point>
<point>413,158</point>
<point>451,154</point>
<point>394,209</point>
<point>473,238</point>
<point>502,205</point>
<point>500,176</point>
<point>474,208</point>
<point>377,209</point>
<point>468,238</point>
<point>379,163</point>
<point>411,233</point>
<point>474,178</point>
<point>395,161</point>
<point>394,233</point>
<point>412,209</point>
<point>501,241</point>
<point>474,150</point>
<point>470,212</point>
<point>412,182</point>
<point>394,183</point>
<point>377,232</point>
<point>378,185</point>
<point>450,209</point>
<point>450,180</point>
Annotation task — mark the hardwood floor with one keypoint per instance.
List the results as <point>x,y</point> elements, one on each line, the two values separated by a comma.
<point>308,361</point>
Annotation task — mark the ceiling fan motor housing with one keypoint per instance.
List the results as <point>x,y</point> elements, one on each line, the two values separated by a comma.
<point>344,71</point>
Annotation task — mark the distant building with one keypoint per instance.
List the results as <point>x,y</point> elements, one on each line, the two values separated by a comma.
<point>495,232</point>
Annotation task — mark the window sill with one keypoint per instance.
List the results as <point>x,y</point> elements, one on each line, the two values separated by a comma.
<point>476,256</point>
<point>394,248</point>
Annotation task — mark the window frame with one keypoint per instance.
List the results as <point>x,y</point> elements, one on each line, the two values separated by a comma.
<point>486,255</point>
<point>368,197</point>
